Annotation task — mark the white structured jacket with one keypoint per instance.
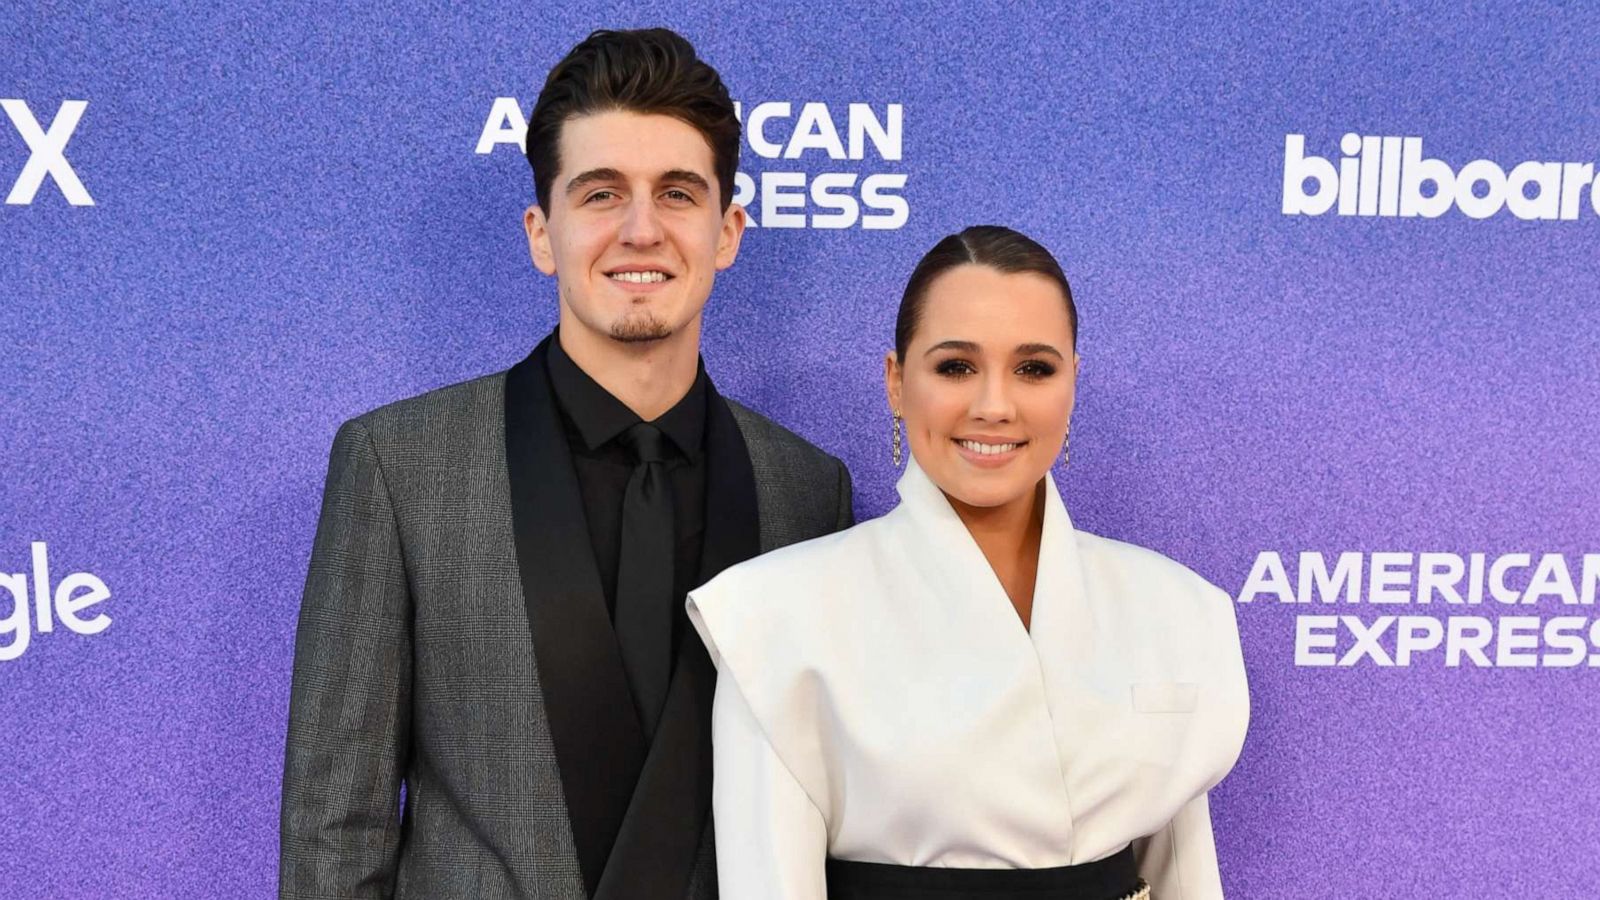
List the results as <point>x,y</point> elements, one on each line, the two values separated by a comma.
<point>879,700</point>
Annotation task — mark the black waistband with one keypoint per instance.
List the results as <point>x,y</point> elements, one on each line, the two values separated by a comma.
<point>1111,878</point>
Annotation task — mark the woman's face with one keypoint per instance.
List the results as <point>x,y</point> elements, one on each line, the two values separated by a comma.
<point>987,384</point>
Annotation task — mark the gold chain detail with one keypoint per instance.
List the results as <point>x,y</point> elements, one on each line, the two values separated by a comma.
<point>1143,893</point>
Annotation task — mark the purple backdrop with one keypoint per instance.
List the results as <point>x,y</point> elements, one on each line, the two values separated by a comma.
<point>291,223</point>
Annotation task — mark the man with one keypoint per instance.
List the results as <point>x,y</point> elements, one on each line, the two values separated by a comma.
<point>493,621</point>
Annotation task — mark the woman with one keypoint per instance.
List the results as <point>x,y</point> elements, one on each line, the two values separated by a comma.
<point>968,698</point>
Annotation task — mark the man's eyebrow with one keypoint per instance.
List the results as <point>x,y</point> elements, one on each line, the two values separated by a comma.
<point>958,346</point>
<point>684,176</point>
<point>584,179</point>
<point>1031,349</point>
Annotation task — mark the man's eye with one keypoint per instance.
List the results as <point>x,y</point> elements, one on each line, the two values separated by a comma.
<point>954,368</point>
<point>1036,369</point>
<point>599,195</point>
<point>679,196</point>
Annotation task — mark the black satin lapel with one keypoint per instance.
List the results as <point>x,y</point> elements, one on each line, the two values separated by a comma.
<point>599,745</point>
<point>660,838</point>
<point>733,520</point>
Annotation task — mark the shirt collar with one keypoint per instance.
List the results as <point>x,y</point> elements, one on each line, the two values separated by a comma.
<point>600,417</point>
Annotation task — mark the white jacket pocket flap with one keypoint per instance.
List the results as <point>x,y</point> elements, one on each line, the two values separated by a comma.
<point>1165,696</point>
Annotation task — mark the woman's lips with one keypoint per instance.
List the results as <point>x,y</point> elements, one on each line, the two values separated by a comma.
<point>989,452</point>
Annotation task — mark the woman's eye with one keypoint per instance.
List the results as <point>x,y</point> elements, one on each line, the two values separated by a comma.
<point>954,368</point>
<point>1036,369</point>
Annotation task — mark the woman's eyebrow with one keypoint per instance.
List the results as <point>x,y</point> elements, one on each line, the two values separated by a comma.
<point>1032,349</point>
<point>958,346</point>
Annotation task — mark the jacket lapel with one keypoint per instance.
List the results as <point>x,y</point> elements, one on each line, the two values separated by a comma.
<point>660,838</point>
<point>599,745</point>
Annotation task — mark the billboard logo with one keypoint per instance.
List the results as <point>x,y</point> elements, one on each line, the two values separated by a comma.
<point>47,152</point>
<point>1390,176</point>
<point>827,164</point>
<point>65,604</point>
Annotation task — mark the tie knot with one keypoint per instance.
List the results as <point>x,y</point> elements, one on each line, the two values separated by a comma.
<point>646,441</point>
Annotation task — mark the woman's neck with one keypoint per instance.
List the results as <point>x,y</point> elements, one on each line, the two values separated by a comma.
<point>1009,537</point>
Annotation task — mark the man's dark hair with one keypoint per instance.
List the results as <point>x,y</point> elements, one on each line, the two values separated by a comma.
<point>648,71</point>
<point>1000,248</point>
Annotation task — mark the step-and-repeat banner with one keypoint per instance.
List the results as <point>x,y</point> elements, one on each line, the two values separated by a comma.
<point>1337,277</point>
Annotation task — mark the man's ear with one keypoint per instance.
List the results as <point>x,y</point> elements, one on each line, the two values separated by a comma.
<point>538,228</point>
<point>733,222</point>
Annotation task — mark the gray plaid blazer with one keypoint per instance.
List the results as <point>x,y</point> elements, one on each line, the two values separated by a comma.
<point>414,670</point>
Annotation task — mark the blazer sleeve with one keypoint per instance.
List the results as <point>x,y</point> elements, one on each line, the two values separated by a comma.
<point>772,841</point>
<point>349,706</point>
<point>847,502</point>
<point>1180,861</point>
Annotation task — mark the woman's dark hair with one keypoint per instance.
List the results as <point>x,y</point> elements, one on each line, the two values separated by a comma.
<point>648,71</point>
<point>1000,248</point>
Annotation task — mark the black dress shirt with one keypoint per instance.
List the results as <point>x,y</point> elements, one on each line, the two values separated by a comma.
<point>594,420</point>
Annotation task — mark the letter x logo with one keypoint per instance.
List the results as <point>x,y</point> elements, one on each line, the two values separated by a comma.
<point>48,152</point>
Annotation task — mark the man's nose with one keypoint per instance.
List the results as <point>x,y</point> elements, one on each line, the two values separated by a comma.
<point>641,226</point>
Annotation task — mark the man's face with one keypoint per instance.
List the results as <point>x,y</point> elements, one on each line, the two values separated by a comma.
<point>635,232</point>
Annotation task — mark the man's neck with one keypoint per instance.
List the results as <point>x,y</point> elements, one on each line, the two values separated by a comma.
<point>649,377</point>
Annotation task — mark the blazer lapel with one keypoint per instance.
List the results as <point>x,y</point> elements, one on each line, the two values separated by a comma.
<point>660,839</point>
<point>733,519</point>
<point>599,745</point>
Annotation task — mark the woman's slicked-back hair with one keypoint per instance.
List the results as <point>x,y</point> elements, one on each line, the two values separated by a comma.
<point>1000,248</point>
<point>652,70</point>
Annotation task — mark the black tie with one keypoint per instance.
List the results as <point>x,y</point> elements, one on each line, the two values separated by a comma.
<point>645,576</point>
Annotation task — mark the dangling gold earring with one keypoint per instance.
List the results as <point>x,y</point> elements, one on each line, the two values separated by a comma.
<point>1066,444</point>
<point>897,454</point>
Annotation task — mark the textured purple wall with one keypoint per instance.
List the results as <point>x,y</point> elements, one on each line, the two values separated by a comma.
<point>291,225</point>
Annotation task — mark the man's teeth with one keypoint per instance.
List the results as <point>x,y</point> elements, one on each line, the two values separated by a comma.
<point>639,277</point>
<point>988,449</point>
